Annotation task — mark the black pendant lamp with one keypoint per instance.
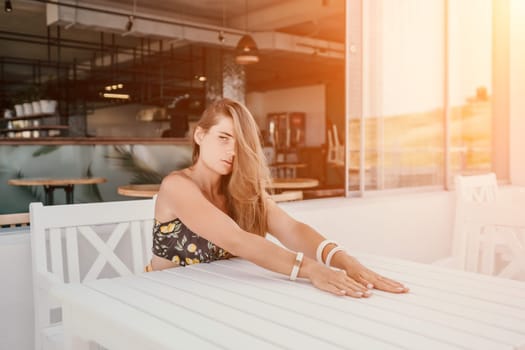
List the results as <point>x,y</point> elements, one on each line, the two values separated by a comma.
<point>246,51</point>
<point>8,7</point>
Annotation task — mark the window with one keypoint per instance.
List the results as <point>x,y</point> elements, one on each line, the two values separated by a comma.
<point>419,92</point>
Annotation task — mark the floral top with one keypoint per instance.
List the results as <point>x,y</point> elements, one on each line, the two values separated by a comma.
<point>174,241</point>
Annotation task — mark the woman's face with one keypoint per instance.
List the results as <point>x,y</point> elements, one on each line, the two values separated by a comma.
<point>217,146</point>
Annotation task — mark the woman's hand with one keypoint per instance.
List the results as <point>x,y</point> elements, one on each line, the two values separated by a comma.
<point>336,281</point>
<point>369,278</point>
<point>354,280</point>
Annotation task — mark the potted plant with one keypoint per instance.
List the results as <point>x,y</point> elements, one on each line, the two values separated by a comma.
<point>48,106</point>
<point>18,101</point>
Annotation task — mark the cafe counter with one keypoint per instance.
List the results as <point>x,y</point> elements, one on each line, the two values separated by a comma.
<point>119,160</point>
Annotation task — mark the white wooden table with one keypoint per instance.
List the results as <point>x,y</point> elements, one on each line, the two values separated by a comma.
<point>234,304</point>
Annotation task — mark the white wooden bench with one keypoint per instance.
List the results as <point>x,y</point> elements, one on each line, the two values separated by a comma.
<point>77,243</point>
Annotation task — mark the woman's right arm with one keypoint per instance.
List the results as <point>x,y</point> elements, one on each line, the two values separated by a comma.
<point>183,199</point>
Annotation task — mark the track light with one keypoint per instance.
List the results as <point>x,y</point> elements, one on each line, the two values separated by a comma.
<point>8,7</point>
<point>129,25</point>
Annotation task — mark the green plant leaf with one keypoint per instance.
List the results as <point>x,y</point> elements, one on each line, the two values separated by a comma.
<point>44,150</point>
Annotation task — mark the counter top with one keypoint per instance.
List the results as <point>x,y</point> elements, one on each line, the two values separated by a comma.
<point>94,141</point>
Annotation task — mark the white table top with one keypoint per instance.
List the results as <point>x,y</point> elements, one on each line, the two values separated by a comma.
<point>234,304</point>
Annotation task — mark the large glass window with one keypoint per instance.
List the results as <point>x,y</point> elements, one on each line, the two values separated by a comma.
<point>423,111</point>
<point>470,86</point>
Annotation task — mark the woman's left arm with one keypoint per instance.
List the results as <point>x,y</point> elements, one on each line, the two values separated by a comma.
<point>298,236</point>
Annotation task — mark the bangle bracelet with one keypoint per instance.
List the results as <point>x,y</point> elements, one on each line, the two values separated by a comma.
<point>320,248</point>
<point>332,253</point>
<point>296,265</point>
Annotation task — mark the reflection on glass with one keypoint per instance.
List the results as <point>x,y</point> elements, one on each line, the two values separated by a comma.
<point>470,64</point>
<point>404,81</point>
<point>403,88</point>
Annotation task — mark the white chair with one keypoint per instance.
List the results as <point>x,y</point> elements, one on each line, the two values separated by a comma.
<point>76,243</point>
<point>469,189</point>
<point>506,241</point>
<point>486,229</point>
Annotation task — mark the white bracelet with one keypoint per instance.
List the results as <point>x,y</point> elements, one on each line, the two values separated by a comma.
<point>332,253</point>
<point>320,248</point>
<point>296,265</point>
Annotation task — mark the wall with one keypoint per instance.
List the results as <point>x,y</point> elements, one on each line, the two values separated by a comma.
<point>308,99</point>
<point>121,121</point>
<point>517,92</point>
<point>415,226</point>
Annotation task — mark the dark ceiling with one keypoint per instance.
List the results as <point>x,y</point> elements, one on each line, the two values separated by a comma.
<point>33,55</point>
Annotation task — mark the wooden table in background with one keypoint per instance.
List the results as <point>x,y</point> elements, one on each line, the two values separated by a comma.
<point>293,184</point>
<point>149,190</point>
<point>143,191</point>
<point>50,184</point>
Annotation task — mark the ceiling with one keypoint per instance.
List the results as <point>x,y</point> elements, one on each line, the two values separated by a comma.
<point>34,53</point>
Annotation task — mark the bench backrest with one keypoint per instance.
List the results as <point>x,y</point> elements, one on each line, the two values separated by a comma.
<point>475,188</point>
<point>76,243</point>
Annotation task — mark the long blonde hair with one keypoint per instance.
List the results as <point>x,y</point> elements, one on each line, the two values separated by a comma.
<point>244,187</point>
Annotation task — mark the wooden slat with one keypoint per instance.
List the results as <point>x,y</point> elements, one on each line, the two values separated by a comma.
<point>379,309</point>
<point>190,313</point>
<point>483,283</point>
<point>118,324</point>
<point>105,250</point>
<point>489,312</point>
<point>136,247</point>
<point>73,267</point>
<point>97,213</point>
<point>245,272</point>
<point>330,329</point>
<point>370,327</point>
<point>239,305</point>
<point>493,312</point>
<point>446,287</point>
<point>55,246</point>
<point>147,237</point>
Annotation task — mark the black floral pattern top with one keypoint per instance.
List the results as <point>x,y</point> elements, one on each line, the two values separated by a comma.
<point>174,241</point>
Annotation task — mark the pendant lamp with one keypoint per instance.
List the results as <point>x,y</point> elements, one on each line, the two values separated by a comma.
<point>246,51</point>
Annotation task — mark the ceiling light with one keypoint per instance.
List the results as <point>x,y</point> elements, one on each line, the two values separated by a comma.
<point>246,51</point>
<point>129,25</point>
<point>120,86</point>
<point>118,96</point>
<point>8,7</point>
<point>221,37</point>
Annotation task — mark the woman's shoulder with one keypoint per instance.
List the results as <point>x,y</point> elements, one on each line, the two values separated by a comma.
<point>176,178</point>
<point>176,186</point>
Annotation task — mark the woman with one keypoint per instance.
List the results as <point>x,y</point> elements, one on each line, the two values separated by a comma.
<point>218,208</point>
